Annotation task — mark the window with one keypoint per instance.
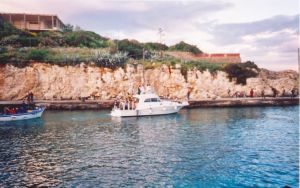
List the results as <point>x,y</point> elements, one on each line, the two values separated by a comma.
<point>152,100</point>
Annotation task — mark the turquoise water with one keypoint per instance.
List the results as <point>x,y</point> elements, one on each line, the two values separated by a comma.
<point>224,147</point>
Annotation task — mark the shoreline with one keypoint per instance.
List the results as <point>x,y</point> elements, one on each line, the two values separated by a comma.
<point>211,103</point>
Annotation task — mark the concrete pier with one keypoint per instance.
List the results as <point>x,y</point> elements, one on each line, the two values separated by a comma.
<point>108,104</point>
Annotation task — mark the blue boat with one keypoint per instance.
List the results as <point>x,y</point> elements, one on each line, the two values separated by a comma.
<point>30,114</point>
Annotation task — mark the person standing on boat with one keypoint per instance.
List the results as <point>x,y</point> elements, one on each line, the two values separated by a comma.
<point>23,108</point>
<point>31,97</point>
<point>142,90</point>
<point>27,98</point>
<point>148,89</point>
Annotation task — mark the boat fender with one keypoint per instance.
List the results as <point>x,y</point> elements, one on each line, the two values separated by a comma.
<point>175,107</point>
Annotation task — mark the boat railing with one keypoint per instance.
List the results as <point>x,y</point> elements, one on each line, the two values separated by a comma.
<point>125,106</point>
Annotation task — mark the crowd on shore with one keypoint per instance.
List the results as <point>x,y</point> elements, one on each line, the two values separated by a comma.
<point>275,93</point>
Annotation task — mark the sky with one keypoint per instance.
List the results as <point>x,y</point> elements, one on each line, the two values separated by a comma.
<point>263,31</point>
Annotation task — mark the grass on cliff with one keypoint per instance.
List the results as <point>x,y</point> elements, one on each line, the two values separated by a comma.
<point>238,71</point>
<point>186,65</point>
<point>62,56</point>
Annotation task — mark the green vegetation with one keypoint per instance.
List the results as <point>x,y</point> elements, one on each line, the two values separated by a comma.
<point>11,36</point>
<point>62,56</point>
<point>75,37</point>
<point>85,39</point>
<point>6,29</point>
<point>37,55</point>
<point>185,66</point>
<point>74,46</point>
<point>182,46</point>
<point>155,46</point>
<point>132,47</point>
<point>242,71</point>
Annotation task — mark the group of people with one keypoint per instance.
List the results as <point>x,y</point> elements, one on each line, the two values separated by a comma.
<point>126,103</point>
<point>143,90</point>
<point>25,106</point>
<point>16,110</point>
<point>236,94</point>
<point>275,93</point>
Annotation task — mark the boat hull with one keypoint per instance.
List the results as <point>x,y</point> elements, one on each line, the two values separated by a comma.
<point>23,116</point>
<point>146,112</point>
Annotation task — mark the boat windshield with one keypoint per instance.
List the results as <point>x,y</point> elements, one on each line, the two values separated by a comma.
<point>152,100</point>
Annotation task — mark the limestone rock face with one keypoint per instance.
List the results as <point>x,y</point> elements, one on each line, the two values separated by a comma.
<point>283,82</point>
<point>72,82</point>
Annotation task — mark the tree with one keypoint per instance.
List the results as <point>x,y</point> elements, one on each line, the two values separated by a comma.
<point>155,46</point>
<point>132,47</point>
<point>68,28</point>
<point>241,71</point>
<point>185,47</point>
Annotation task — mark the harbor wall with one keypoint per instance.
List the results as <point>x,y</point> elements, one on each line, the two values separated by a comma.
<point>108,104</point>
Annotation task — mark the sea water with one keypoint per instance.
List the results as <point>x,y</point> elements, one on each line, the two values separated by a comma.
<point>211,147</point>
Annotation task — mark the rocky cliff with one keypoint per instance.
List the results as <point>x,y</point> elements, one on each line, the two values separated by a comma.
<point>71,82</point>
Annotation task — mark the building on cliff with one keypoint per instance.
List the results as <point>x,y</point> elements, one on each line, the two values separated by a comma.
<point>214,58</point>
<point>34,22</point>
<point>230,57</point>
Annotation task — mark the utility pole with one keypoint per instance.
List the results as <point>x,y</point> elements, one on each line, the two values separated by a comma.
<point>298,61</point>
<point>161,34</point>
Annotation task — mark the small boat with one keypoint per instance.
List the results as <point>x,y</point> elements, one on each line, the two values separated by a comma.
<point>30,114</point>
<point>147,104</point>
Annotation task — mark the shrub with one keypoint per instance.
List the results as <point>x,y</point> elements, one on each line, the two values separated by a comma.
<point>185,47</point>
<point>155,46</point>
<point>37,55</point>
<point>7,29</point>
<point>241,71</point>
<point>85,39</point>
<point>133,48</point>
<point>4,57</point>
<point>51,38</point>
<point>12,40</point>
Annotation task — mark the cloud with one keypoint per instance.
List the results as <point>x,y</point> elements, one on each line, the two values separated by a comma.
<point>233,32</point>
<point>272,41</point>
<point>267,36</point>
<point>154,14</point>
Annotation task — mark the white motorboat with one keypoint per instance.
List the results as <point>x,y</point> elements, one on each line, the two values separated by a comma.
<point>147,104</point>
<point>30,114</point>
